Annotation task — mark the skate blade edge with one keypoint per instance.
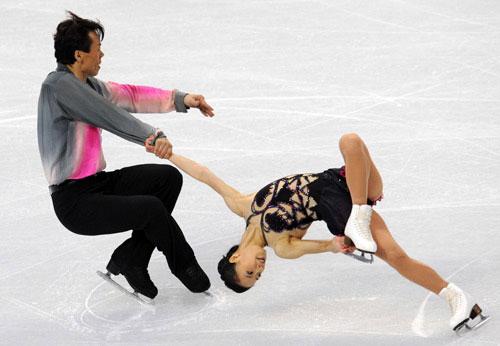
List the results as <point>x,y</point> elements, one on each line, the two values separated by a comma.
<point>368,252</point>
<point>135,295</point>
<point>361,257</point>
<point>471,324</point>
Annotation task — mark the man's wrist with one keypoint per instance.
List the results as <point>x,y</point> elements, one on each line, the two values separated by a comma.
<point>179,104</point>
<point>157,135</point>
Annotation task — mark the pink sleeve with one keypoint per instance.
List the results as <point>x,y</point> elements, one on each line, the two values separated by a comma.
<point>140,99</point>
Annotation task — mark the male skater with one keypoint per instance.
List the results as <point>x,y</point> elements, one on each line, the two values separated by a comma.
<point>73,109</point>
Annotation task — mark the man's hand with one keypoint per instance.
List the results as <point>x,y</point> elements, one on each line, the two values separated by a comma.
<point>198,101</point>
<point>343,247</point>
<point>162,147</point>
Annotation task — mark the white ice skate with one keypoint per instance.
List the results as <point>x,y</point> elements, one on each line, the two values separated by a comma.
<point>466,315</point>
<point>358,229</point>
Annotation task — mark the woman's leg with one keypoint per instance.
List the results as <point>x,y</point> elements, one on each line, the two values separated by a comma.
<point>396,257</point>
<point>363,179</point>
<point>464,310</point>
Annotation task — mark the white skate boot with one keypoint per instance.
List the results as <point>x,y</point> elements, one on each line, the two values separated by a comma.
<point>358,229</point>
<point>466,315</point>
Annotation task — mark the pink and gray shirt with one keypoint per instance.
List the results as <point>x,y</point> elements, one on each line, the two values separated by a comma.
<point>72,114</point>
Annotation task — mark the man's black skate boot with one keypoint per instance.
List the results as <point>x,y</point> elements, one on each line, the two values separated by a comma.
<point>136,276</point>
<point>194,278</point>
<point>131,259</point>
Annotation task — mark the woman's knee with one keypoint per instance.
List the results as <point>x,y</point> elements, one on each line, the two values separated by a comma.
<point>350,142</point>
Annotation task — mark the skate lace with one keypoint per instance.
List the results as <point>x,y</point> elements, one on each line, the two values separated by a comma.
<point>364,227</point>
<point>455,301</point>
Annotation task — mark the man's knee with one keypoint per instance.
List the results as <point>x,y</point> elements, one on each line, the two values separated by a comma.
<point>154,207</point>
<point>173,176</point>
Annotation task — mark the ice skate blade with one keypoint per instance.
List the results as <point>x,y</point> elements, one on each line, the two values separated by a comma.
<point>366,252</point>
<point>475,320</point>
<point>143,300</point>
<point>361,257</point>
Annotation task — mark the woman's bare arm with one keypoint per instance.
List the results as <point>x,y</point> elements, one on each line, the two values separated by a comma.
<point>291,247</point>
<point>201,173</point>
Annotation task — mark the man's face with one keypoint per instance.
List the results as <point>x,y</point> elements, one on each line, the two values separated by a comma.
<point>90,62</point>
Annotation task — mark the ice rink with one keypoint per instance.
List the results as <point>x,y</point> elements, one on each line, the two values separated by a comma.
<point>418,80</point>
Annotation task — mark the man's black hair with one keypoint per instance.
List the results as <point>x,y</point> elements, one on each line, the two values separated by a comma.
<point>73,34</point>
<point>227,272</point>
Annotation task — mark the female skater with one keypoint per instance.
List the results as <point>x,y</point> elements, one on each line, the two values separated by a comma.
<point>279,215</point>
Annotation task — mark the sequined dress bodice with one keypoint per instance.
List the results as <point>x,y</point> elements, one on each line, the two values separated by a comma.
<point>285,204</point>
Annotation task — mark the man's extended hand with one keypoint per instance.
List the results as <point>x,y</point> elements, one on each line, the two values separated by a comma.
<point>162,147</point>
<point>198,101</point>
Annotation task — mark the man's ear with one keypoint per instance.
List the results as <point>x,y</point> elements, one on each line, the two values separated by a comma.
<point>78,56</point>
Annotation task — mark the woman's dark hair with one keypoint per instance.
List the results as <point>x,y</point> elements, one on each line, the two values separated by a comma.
<point>228,273</point>
<point>73,34</point>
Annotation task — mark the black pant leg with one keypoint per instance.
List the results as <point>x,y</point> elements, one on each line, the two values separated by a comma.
<point>161,181</point>
<point>95,213</point>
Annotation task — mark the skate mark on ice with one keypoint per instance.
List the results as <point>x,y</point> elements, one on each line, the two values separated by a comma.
<point>16,119</point>
<point>363,108</point>
<point>325,331</point>
<point>38,264</point>
<point>145,307</point>
<point>250,133</point>
<point>453,18</point>
<point>439,206</point>
<point>46,315</point>
<point>418,322</point>
<point>135,322</point>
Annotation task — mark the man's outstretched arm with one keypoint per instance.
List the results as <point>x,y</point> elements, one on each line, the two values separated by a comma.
<point>82,103</point>
<point>145,99</point>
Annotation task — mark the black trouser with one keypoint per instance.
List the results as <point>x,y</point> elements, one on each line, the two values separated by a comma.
<point>139,198</point>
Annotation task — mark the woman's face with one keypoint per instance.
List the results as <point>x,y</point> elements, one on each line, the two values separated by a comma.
<point>250,262</point>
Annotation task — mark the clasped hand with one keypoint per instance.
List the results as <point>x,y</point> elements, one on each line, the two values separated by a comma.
<point>162,147</point>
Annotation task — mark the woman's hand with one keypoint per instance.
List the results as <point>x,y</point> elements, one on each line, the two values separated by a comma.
<point>162,147</point>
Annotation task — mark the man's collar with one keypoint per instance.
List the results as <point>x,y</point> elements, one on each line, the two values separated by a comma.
<point>62,67</point>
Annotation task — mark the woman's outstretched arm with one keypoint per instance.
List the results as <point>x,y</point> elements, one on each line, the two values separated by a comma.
<point>201,173</point>
<point>291,247</point>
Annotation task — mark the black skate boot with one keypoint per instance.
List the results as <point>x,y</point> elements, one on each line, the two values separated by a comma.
<point>136,276</point>
<point>131,259</point>
<point>194,278</point>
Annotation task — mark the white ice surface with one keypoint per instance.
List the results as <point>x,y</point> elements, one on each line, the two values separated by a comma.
<point>418,80</point>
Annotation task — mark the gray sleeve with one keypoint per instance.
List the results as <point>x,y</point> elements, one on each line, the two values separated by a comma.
<point>80,102</point>
<point>179,102</point>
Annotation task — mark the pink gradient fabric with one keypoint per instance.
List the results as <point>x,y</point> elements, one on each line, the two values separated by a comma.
<point>89,152</point>
<point>140,99</point>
